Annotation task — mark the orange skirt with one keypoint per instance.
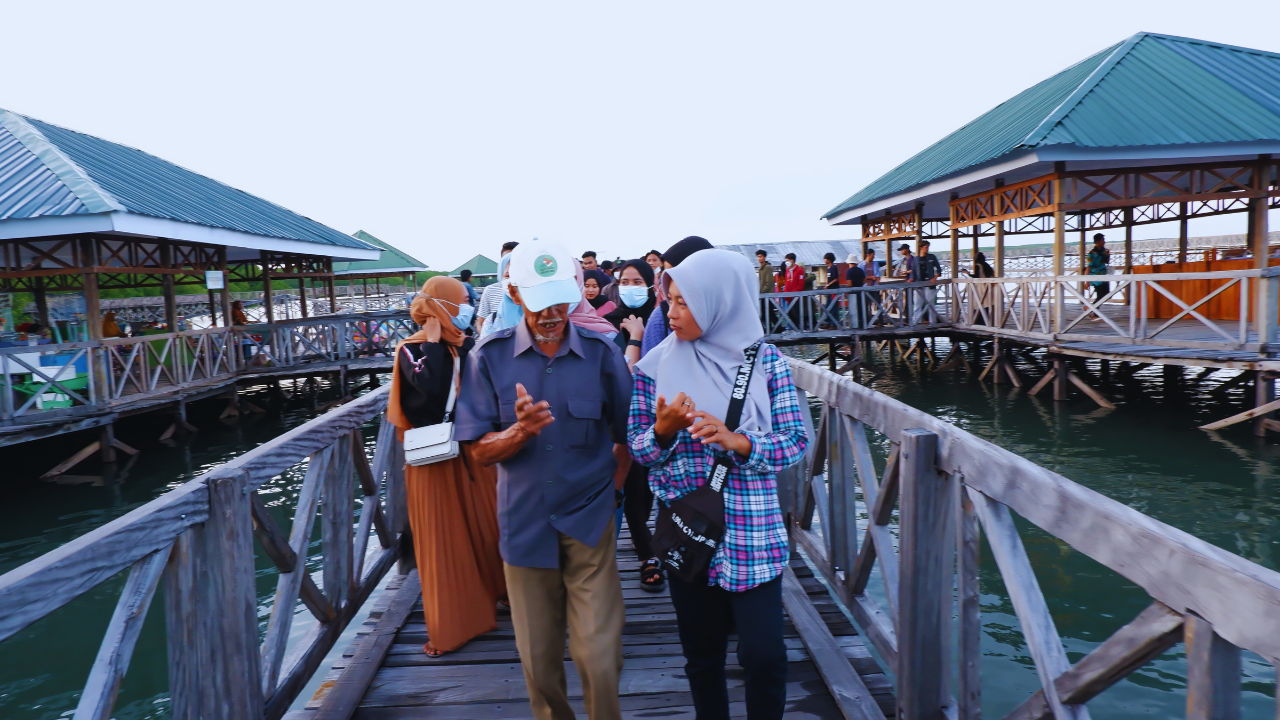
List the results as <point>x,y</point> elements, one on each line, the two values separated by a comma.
<point>454,518</point>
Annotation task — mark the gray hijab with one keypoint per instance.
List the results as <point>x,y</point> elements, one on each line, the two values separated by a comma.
<point>721,289</point>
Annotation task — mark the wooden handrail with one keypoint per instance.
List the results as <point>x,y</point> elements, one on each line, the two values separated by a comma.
<point>1232,602</point>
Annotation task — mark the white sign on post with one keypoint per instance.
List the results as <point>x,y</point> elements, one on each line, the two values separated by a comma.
<point>213,279</point>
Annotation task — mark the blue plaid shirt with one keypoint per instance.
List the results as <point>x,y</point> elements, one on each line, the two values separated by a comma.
<point>754,549</point>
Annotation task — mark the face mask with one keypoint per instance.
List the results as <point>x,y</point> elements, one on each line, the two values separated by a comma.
<point>506,288</point>
<point>462,320</point>
<point>633,296</point>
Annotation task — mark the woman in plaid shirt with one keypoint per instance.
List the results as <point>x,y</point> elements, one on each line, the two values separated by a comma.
<point>712,298</point>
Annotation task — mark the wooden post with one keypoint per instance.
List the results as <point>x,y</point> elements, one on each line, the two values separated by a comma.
<point>1082,218</point>
<point>93,320</point>
<point>1182,234</point>
<point>226,287</point>
<point>107,443</point>
<point>955,253</point>
<point>1265,303</point>
<point>968,538</point>
<point>41,300</point>
<point>1264,391</point>
<point>843,512</point>
<point>1060,379</point>
<point>211,611</point>
<point>302,294</point>
<point>1059,258</point>
<point>1128,252</point>
<point>169,289</point>
<point>267,301</point>
<point>1213,672</point>
<point>924,589</point>
<point>976,230</point>
<point>999,264</point>
<point>333,293</point>
<point>337,511</point>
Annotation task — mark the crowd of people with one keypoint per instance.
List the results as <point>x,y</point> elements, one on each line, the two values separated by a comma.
<point>579,393</point>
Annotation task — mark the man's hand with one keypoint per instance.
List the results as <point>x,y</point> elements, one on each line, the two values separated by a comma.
<point>672,418</point>
<point>531,416</point>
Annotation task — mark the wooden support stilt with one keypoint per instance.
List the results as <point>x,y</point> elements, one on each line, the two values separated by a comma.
<point>1060,379</point>
<point>1256,412</point>
<point>107,442</point>
<point>997,361</point>
<point>1264,392</point>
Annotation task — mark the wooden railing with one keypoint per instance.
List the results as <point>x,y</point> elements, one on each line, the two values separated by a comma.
<point>94,377</point>
<point>889,305</point>
<point>1206,310</point>
<point>950,488</point>
<point>199,541</point>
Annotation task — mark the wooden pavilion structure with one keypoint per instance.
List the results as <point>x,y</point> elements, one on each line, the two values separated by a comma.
<point>79,214</point>
<point>1153,129</point>
<point>393,264</point>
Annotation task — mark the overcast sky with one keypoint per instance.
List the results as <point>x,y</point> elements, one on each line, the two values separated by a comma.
<point>448,128</point>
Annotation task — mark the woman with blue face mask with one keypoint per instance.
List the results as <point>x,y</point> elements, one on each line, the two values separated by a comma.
<point>635,295</point>
<point>452,504</point>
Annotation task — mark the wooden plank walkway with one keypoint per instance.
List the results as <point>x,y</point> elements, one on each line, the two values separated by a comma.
<point>483,679</point>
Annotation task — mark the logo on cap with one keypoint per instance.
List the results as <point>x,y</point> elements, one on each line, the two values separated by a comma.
<point>545,265</point>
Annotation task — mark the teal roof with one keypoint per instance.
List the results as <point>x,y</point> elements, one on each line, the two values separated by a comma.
<point>50,171</point>
<point>1150,90</point>
<point>478,265</point>
<point>392,260</point>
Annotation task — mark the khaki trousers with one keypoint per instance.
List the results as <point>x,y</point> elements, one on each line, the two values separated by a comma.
<point>585,595</point>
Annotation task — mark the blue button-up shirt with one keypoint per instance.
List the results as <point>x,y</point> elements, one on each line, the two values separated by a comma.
<point>561,481</point>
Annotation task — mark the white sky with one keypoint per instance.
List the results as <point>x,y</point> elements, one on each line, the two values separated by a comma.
<point>448,128</point>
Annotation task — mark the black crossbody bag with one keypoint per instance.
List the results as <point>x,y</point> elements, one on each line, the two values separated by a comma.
<point>689,530</point>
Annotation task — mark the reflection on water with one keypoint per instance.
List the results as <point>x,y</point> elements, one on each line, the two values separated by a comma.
<point>43,668</point>
<point>1221,487</point>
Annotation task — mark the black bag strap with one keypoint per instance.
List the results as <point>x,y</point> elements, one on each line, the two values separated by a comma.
<point>733,417</point>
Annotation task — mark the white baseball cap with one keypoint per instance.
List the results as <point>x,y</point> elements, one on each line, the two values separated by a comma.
<point>544,272</point>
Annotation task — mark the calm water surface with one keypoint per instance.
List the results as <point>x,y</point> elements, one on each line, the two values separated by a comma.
<point>1220,487</point>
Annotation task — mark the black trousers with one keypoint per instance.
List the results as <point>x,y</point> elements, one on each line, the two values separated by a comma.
<point>706,616</point>
<point>637,506</point>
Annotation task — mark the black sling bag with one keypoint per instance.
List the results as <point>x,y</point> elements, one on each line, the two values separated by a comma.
<point>689,530</point>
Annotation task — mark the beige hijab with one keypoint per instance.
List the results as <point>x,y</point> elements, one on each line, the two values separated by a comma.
<point>434,317</point>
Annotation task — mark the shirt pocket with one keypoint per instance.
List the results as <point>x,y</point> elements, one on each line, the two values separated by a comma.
<point>507,413</point>
<point>584,418</point>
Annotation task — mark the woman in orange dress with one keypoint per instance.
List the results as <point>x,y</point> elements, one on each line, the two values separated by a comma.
<point>453,503</point>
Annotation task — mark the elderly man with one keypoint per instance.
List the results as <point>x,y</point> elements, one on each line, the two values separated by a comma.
<point>547,402</point>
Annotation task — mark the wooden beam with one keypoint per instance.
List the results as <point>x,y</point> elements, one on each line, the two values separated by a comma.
<point>342,699</point>
<point>1094,395</point>
<point>1213,673</point>
<point>1154,631</point>
<point>968,551</point>
<point>74,460</point>
<point>1241,417</point>
<point>99,696</point>
<point>924,590</point>
<point>847,688</point>
<point>1042,637</point>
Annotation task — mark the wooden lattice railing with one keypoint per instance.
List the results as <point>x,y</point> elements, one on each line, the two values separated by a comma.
<point>950,488</point>
<point>199,541</point>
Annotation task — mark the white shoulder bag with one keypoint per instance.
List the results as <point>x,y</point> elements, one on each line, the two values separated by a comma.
<point>434,443</point>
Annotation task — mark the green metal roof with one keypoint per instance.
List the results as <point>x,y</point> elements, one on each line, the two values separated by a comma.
<point>1149,90</point>
<point>392,260</point>
<point>478,265</point>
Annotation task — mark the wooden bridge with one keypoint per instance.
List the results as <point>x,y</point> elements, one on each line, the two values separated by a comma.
<point>57,388</point>
<point>948,487</point>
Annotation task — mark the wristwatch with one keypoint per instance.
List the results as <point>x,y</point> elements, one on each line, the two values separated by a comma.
<point>633,343</point>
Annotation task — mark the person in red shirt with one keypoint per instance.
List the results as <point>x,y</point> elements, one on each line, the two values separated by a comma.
<point>793,275</point>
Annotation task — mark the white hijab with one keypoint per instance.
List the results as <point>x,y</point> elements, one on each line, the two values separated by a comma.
<point>721,290</point>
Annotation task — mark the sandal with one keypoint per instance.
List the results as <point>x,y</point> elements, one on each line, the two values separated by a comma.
<point>431,651</point>
<point>651,577</point>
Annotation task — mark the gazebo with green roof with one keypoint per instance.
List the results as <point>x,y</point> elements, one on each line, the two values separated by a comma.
<point>480,266</point>
<point>1153,129</point>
